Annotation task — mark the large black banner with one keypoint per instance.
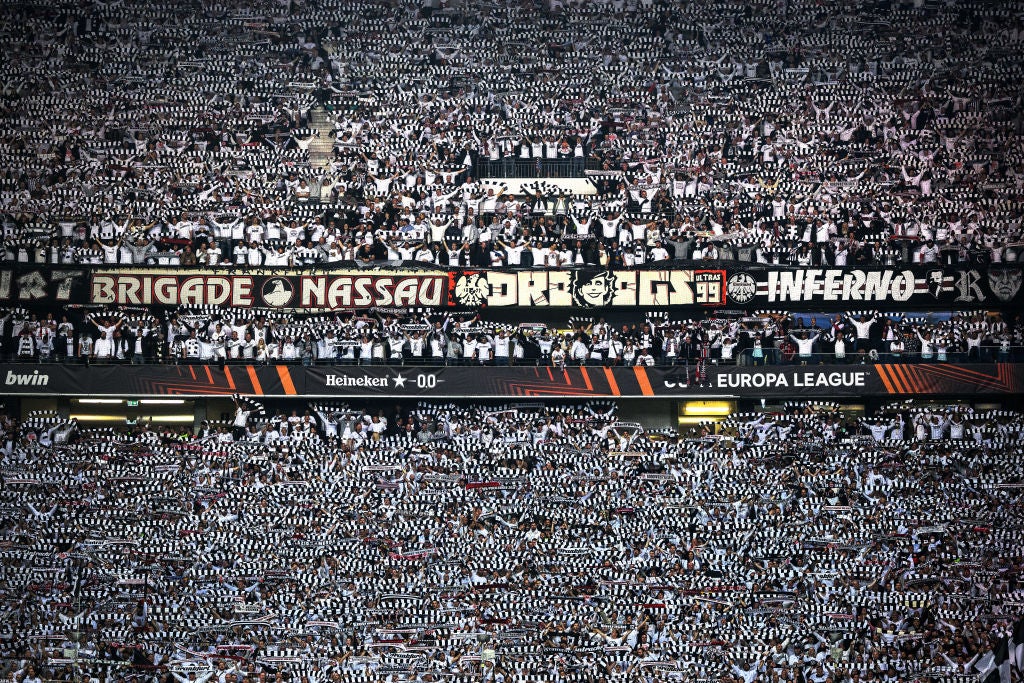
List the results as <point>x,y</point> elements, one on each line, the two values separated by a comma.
<point>794,381</point>
<point>339,290</point>
<point>43,285</point>
<point>920,287</point>
<point>749,287</point>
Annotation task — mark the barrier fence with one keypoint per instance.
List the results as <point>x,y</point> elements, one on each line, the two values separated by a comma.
<point>878,379</point>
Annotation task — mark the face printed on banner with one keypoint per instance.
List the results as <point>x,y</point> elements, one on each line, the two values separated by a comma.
<point>1005,282</point>
<point>592,290</point>
<point>936,282</point>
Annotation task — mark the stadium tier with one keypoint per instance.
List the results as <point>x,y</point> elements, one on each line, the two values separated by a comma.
<point>477,333</point>
<point>526,540</point>
<point>517,341</point>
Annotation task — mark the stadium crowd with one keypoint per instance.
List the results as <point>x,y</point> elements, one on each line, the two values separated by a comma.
<point>310,132</point>
<point>523,542</point>
<point>399,336</point>
<point>513,543</point>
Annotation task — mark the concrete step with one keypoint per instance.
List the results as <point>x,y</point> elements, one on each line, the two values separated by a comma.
<point>321,150</point>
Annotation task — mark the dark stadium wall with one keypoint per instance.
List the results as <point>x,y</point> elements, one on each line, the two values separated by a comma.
<point>519,382</point>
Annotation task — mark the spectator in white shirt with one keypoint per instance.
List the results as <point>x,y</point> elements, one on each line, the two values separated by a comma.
<point>805,346</point>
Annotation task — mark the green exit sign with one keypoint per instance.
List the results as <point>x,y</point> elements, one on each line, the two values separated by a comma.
<point>132,404</point>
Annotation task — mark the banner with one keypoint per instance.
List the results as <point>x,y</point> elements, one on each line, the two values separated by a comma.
<point>27,286</point>
<point>334,290</point>
<point>310,290</point>
<point>587,288</point>
<point>751,287</point>
<point>790,381</point>
<point>913,288</point>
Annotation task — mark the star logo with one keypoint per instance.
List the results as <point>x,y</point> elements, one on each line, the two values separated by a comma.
<point>399,382</point>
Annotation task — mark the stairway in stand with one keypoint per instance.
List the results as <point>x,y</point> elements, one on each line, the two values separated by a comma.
<point>321,149</point>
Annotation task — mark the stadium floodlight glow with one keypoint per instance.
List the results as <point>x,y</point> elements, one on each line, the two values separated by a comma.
<point>160,419</point>
<point>708,408</point>
<point>691,421</point>
<point>88,417</point>
<point>186,418</point>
